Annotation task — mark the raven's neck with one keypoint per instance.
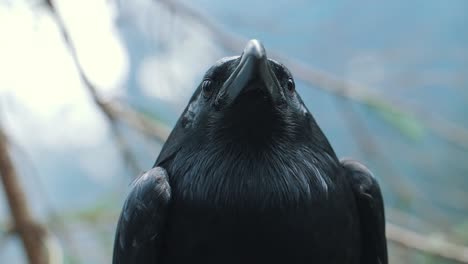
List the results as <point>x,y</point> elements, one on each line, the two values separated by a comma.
<point>250,175</point>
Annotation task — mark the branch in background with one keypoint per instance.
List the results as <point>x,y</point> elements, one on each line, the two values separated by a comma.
<point>56,224</point>
<point>111,116</point>
<point>149,127</point>
<point>410,239</point>
<point>457,136</point>
<point>33,235</point>
<point>371,150</point>
<point>112,110</point>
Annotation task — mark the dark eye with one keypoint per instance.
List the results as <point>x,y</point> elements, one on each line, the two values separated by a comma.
<point>291,86</point>
<point>207,88</point>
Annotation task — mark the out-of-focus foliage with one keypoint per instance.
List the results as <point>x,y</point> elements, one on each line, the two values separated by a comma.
<point>406,124</point>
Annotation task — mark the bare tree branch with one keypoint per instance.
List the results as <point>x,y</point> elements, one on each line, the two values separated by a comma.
<point>33,235</point>
<point>125,148</point>
<point>410,239</point>
<point>57,225</point>
<point>149,127</point>
<point>371,149</point>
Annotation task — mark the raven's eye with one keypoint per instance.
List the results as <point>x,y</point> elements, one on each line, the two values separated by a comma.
<point>291,86</point>
<point>207,88</point>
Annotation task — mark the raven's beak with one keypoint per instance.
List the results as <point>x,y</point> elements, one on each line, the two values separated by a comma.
<point>253,66</point>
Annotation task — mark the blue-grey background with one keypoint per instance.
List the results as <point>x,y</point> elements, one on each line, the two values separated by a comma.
<point>410,55</point>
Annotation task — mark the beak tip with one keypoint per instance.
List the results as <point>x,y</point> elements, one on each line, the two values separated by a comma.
<point>255,49</point>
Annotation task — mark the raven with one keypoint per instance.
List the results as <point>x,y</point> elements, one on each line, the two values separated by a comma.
<point>247,176</point>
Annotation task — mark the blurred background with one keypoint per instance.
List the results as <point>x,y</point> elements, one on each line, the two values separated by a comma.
<point>90,89</point>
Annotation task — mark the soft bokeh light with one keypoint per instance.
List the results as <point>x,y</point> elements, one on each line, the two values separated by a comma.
<point>40,80</point>
<point>171,75</point>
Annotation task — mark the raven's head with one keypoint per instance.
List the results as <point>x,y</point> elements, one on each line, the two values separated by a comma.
<point>248,101</point>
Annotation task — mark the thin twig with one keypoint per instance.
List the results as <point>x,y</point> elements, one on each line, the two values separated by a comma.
<point>33,235</point>
<point>147,126</point>
<point>410,239</point>
<point>57,224</point>
<point>371,149</point>
<point>123,145</point>
<point>398,234</point>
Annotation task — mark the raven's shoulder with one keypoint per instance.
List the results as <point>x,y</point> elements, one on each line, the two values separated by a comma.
<point>370,207</point>
<point>143,215</point>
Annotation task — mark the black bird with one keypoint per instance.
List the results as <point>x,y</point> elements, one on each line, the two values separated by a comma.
<point>247,176</point>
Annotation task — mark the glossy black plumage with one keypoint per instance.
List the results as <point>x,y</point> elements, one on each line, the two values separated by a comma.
<point>251,178</point>
<point>141,223</point>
